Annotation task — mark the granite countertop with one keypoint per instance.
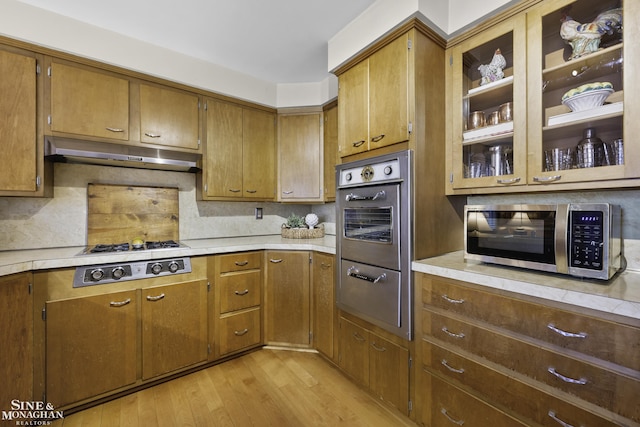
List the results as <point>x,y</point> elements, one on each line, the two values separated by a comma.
<point>42,259</point>
<point>620,296</point>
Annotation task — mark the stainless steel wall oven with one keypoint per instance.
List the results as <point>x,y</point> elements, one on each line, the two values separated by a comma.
<point>373,228</point>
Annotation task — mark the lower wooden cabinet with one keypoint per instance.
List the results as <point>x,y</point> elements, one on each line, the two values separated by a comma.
<point>323,306</point>
<point>239,330</point>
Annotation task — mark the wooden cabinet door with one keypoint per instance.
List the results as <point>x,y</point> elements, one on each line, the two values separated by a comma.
<point>16,334</point>
<point>330,147</point>
<point>259,154</point>
<point>323,303</point>
<point>91,346</point>
<point>223,156</point>
<point>18,129</point>
<point>287,298</point>
<point>353,110</point>
<point>169,117</point>
<point>89,102</point>
<point>354,351</point>
<point>174,327</point>
<point>389,372</point>
<point>388,94</point>
<point>300,157</point>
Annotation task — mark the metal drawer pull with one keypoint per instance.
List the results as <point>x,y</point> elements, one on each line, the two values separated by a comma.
<point>558,420</point>
<point>456,422</point>
<point>241,293</point>
<point>120,303</point>
<point>451,300</point>
<point>547,178</point>
<point>114,129</point>
<point>251,191</point>
<point>324,265</point>
<point>358,337</point>
<point>241,263</point>
<point>241,333</point>
<point>446,365</point>
<point>377,138</point>
<point>451,334</point>
<point>156,298</point>
<point>581,381</point>
<point>234,190</point>
<point>508,181</point>
<point>358,143</point>
<point>354,197</point>
<point>287,192</point>
<point>565,333</point>
<point>353,272</point>
<point>153,135</point>
<point>275,261</point>
<point>381,349</point>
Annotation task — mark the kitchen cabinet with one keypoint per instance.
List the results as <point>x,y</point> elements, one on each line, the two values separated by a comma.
<point>287,298</point>
<point>240,151</point>
<point>375,362</point>
<point>16,318</point>
<point>91,346</point>
<point>237,287</point>
<point>300,157</point>
<point>20,130</point>
<point>560,364</point>
<point>323,306</point>
<point>174,327</point>
<point>169,117</point>
<point>330,151</point>
<point>373,103</point>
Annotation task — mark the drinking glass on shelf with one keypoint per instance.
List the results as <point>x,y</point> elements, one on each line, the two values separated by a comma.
<point>558,159</point>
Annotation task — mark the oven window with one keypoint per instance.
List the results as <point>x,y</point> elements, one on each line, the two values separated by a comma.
<point>369,224</point>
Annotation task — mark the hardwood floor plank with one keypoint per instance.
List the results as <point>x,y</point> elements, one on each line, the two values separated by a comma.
<point>147,410</point>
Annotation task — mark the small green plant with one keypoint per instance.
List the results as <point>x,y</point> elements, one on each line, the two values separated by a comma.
<point>295,221</point>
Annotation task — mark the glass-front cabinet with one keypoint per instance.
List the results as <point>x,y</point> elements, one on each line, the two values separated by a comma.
<point>580,67</point>
<point>489,109</point>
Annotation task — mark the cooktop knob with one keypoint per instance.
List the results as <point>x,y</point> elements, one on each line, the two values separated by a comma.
<point>388,170</point>
<point>156,268</point>
<point>117,273</point>
<point>173,266</point>
<point>97,274</point>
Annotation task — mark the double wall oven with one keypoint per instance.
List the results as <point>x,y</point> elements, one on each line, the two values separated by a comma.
<point>374,222</point>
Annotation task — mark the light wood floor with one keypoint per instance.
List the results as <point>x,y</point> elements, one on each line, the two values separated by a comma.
<point>269,387</point>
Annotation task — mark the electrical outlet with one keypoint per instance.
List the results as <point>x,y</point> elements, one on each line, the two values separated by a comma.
<point>258,213</point>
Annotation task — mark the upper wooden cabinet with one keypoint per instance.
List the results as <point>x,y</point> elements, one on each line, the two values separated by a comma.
<point>20,134</point>
<point>240,152</point>
<point>330,152</point>
<point>373,100</point>
<point>169,117</point>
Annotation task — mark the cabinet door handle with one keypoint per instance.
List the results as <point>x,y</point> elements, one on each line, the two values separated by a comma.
<point>358,143</point>
<point>275,261</point>
<point>114,129</point>
<point>581,381</point>
<point>508,181</point>
<point>565,333</point>
<point>324,265</point>
<point>453,420</point>
<point>547,178</point>
<point>451,334</point>
<point>241,333</point>
<point>241,293</point>
<point>241,263</point>
<point>377,138</point>
<point>451,300</point>
<point>156,298</point>
<point>234,190</point>
<point>380,349</point>
<point>358,337</point>
<point>287,192</point>
<point>252,191</point>
<point>452,369</point>
<point>119,303</point>
<point>558,420</point>
<point>152,135</point>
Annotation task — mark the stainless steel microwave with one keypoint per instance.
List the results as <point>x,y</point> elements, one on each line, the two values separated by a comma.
<point>578,239</point>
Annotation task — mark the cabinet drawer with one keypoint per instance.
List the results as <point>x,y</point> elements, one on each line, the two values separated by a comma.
<point>239,331</point>
<point>530,402</point>
<point>616,390</point>
<point>239,290</point>
<point>590,335</point>
<point>444,405</point>
<point>240,261</point>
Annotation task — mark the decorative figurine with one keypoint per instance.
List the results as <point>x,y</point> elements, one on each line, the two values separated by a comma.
<point>311,220</point>
<point>585,38</point>
<point>493,71</point>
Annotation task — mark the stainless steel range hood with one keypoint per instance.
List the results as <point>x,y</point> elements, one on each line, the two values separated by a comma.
<point>102,153</point>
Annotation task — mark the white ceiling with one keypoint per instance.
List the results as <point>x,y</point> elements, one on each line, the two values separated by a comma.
<point>278,41</point>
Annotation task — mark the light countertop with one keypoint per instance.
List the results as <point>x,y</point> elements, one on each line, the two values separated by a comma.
<point>620,296</point>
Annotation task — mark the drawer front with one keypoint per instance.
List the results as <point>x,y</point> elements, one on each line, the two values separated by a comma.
<point>354,351</point>
<point>239,331</point>
<point>240,261</point>
<point>239,290</point>
<point>608,389</point>
<point>532,403</point>
<point>593,336</point>
<point>444,405</point>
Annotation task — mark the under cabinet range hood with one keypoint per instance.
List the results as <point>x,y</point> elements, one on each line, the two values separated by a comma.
<point>102,153</point>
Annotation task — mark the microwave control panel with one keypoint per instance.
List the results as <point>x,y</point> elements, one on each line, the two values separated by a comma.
<point>587,239</point>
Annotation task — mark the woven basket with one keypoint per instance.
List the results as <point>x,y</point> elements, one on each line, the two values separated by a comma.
<point>302,233</point>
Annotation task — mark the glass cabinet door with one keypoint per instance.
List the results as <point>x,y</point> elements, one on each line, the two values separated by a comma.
<point>576,86</point>
<point>488,84</point>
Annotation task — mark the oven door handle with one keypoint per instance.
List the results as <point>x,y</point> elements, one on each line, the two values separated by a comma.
<point>379,195</point>
<point>353,272</point>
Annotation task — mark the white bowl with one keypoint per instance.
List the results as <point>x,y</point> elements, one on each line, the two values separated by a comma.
<point>587,100</point>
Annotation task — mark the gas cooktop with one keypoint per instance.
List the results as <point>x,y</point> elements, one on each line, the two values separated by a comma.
<point>126,247</point>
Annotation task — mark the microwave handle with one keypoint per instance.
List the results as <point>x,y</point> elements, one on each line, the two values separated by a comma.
<point>353,197</point>
<point>561,238</point>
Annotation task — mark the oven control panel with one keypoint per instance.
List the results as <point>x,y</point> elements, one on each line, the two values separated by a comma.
<point>376,172</point>
<point>89,275</point>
